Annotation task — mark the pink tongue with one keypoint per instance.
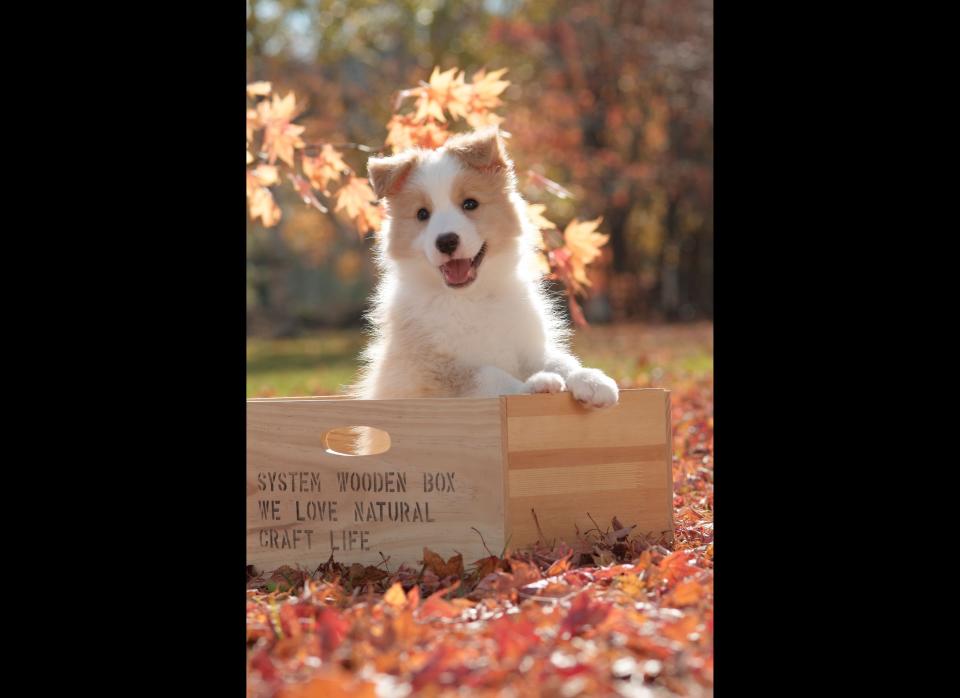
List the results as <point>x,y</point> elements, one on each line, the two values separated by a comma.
<point>456,271</point>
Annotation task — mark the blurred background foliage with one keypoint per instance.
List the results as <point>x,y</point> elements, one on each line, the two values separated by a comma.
<point>611,98</point>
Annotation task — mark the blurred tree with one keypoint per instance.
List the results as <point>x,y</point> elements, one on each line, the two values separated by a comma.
<point>612,97</point>
<point>623,89</point>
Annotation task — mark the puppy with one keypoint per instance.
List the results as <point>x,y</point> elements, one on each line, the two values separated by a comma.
<point>460,310</point>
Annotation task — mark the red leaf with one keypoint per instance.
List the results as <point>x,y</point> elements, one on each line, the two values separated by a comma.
<point>675,566</point>
<point>560,566</point>
<point>584,613</point>
<point>437,607</point>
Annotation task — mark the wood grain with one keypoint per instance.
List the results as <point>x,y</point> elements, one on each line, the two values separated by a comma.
<point>573,466</point>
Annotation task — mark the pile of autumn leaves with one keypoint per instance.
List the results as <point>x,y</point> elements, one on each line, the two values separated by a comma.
<point>612,613</point>
<point>425,117</point>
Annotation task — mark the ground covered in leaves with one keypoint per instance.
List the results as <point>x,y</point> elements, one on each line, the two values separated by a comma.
<point>610,613</point>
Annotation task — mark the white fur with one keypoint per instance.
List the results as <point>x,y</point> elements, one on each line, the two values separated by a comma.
<point>435,175</point>
<point>499,335</point>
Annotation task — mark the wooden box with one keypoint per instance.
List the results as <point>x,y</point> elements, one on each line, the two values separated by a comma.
<point>452,470</point>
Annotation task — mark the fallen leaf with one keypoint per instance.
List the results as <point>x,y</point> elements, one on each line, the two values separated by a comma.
<point>560,566</point>
<point>395,596</point>
<point>686,594</point>
<point>451,568</point>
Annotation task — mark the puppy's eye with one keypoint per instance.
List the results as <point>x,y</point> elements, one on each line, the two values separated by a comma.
<point>423,214</point>
<point>470,204</point>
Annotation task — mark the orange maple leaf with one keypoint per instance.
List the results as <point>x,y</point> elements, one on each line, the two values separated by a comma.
<point>370,218</point>
<point>584,243</point>
<point>278,109</point>
<point>260,199</point>
<point>321,169</point>
<point>535,213</point>
<point>261,176</point>
<point>404,132</point>
<point>260,88</point>
<point>357,200</point>
<point>487,88</point>
<point>262,205</point>
<point>458,97</point>
<point>399,136</point>
<point>434,96</point>
<point>354,196</point>
<point>581,237</point>
<point>266,175</point>
<point>281,140</point>
<point>430,135</point>
<point>280,135</point>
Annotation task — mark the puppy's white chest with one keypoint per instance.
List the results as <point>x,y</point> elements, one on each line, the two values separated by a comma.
<point>485,335</point>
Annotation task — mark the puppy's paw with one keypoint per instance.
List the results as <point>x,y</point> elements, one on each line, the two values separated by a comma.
<point>593,387</point>
<point>545,382</point>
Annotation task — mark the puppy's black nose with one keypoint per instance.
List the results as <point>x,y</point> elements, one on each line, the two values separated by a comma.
<point>447,243</point>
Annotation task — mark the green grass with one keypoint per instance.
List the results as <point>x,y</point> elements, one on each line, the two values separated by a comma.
<point>634,355</point>
<point>318,364</point>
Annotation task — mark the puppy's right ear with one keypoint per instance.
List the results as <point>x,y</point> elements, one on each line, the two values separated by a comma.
<point>388,174</point>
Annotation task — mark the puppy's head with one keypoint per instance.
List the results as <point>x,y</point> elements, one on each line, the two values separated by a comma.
<point>450,210</point>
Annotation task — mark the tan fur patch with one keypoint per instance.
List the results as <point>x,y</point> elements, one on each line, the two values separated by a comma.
<point>387,175</point>
<point>482,150</point>
<point>495,216</point>
<point>402,207</point>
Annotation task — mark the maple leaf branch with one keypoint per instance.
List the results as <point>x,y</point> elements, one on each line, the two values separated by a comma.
<point>356,146</point>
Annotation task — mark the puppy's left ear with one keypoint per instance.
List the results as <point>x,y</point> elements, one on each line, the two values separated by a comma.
<point>482,150</point>
<point>387,174</point>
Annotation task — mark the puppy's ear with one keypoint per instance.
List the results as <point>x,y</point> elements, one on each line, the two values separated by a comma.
<point>388,174</point>
<point>482,150</point>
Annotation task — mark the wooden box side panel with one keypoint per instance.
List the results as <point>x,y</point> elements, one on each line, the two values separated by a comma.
<point>441,477</point>
<point>569,464</point>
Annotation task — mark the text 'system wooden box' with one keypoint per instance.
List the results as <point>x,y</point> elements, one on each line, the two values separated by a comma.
<point>450,466</point>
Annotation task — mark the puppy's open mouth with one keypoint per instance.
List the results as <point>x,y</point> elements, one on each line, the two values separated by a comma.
<point>458,273</point>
